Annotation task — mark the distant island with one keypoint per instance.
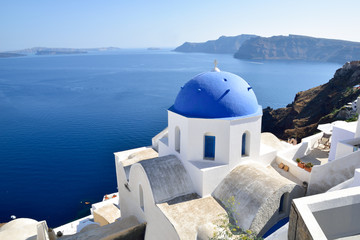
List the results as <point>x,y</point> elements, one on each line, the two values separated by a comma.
<point>53,51</point>
<point>227,45</point>
<point>59,52</point>
<point>292,47</point>
<point>153,48</point>
<point>9,55</point>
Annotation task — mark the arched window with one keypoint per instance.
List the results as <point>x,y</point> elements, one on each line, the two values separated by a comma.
<point>177,139</point>
<point>141,197</point>
<point>245,148</point>
<point>283,203</point>
<point>209,147</point>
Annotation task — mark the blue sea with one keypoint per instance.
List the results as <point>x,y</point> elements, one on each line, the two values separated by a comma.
<point>62,118</point>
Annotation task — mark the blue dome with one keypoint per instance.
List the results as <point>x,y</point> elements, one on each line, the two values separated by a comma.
<point>216,95</point>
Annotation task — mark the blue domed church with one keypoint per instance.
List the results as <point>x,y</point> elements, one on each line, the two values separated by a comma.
<point>212,151</point>
<point>214,125</point>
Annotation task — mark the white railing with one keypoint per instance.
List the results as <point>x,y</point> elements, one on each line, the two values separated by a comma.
<point>313,140</point>
<point>42,231</point>
<point>160,135</point>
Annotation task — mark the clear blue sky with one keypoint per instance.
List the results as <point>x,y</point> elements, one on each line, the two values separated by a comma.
<point>156,23</point>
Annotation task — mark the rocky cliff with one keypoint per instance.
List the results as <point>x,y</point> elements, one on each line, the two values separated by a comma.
<point>317,105</point>
<point>295,47</point>
<point>223,44</point>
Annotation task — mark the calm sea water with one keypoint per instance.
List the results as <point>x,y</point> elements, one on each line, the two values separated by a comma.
<point>63,117</point>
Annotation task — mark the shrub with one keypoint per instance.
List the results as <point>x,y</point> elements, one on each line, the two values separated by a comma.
<point>309,165</point>
<point>353,118</point>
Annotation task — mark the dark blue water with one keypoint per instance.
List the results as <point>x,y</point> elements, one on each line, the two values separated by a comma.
<point>62,117</point>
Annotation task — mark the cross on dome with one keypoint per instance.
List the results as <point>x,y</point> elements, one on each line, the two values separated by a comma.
<point>215,67</point>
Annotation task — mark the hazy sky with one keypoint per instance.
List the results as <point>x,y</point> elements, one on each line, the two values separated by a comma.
<point>155,23</point>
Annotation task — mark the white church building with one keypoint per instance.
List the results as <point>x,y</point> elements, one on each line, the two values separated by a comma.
<point>211,151</point>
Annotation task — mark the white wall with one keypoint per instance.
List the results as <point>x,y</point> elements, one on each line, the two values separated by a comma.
<point>228,133</point>
<point>289,156</point>
<point>163,147</point>
<point>356,180</point>
<point>313,140</point>
<point>297,151</point>
<point>296,171</point>
<point>160,135</point>
<point>198,128</point>
<point>326,176</point>
<point>206,175</point>
<point>357,134</point>
<point>343,149</point>
<point>338,135</point>
<point>252,127</point>
<point>346,147</point>
<point>314,226</point>
<point>182,123</point>
<point>158,226</point>
<point>228,143</point>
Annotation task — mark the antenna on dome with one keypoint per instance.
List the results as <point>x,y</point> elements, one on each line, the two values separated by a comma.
<point>215,66</point>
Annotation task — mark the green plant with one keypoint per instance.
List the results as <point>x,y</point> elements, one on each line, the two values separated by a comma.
<point>298,160</point>
<point>348,91</point>
<point>334,111</point>
<point>309,165</point>
<point>353,118</point>
<point>227,228</point>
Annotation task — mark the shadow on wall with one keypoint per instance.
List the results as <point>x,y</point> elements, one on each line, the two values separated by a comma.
<point>283,211</point>
<point>297,151</point>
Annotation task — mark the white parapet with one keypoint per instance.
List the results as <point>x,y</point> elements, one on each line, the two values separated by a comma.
<point>357,133</point>
<point>330,215</point>
<point>356,180</point>
<point>155,140</point>
<point>42,231</point>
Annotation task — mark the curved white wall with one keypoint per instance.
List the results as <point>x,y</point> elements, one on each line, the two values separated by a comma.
<point>158,226</point>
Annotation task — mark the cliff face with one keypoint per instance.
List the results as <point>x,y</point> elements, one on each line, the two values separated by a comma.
<point>314,106</point>
<point>222,45</point>
<point>294,47</point>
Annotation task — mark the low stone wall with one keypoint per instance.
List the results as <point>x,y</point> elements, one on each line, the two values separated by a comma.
<point>296,171</point>
<point>135,233</point>
<point>297,227</point>
<point>125,229</point>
